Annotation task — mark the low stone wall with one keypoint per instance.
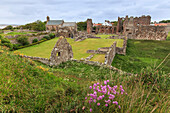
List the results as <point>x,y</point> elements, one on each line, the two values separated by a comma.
<point>43,60</point>
<point>110,54</point>
<point>90,57</point>
<point>96,52</point>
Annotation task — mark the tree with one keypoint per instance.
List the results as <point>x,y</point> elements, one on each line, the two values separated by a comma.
<point>8,28</point>
<point>82,26</point>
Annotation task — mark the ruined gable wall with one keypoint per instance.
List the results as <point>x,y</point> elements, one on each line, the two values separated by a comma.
<point>61,52</point>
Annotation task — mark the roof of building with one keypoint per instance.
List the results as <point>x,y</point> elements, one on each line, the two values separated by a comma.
<point>69,24</point>
<point>107,24</point>
<point>54,22</point>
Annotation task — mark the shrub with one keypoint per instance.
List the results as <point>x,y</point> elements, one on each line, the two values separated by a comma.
<point>52,35</point>
<point>23,40</point>
<point>9,45</point>
<point>5,40</point>
<point>0,36</point>
<point>35,40</point>
<point>47,37</point>
<point>43,39</point>
<point>16,46</point>
<point>8,27</point>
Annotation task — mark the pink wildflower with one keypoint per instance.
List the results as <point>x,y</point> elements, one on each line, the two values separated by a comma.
<point>98,104</point>
<point>106,105</point>
<point>90,109</point>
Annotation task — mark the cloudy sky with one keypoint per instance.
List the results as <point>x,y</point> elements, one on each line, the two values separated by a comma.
<point>25,11</point>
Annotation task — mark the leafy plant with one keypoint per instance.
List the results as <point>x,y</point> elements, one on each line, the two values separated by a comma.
<point>23,40</point>
<point>35,40</point>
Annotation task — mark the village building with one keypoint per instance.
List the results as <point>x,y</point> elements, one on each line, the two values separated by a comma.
<point>66,29</point>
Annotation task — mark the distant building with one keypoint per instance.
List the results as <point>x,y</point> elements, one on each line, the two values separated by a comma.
<point>55,25</point>
<point>162,24</point>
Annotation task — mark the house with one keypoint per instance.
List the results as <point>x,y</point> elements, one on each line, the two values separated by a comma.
<point>55,25</point>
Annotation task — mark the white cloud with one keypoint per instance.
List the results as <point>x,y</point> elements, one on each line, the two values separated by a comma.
<point>22,11</point>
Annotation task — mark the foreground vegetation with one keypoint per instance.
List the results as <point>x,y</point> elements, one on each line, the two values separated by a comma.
<point>79,48</point>
<point>143,53</point>
<point>28,86</point>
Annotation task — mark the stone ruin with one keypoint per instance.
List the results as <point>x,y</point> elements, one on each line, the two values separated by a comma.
<point>140,28</point>
<point>61,52</point>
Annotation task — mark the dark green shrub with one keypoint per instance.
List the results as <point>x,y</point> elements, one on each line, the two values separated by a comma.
<point>5,40</point>
<point>52,35</point>
<point>16,46</point>
<point>23,40</point>
<point>8,45</point>
<point>47,37</point>
<point>35,40</point>
<point>8,27</point>
<point>43,39</point>
<point>0,36</point>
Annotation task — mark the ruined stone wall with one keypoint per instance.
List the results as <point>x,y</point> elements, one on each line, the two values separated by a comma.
<point>89,26</point>
<point>122,50</point>
<point>61,52</point>
<point>110,54</point>
<point>119,25</point>
<point>105,29</point>
<point>149,33</point>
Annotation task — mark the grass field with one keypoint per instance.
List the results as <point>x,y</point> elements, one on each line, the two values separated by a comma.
<point>79,48</point>
<point>105,36</point>
<point>144,53</point>
<point>168,37</point>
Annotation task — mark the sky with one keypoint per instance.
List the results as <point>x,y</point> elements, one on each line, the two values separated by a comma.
<point>26,11</point>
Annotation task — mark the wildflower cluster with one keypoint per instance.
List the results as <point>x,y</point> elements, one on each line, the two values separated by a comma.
<point>44,69</point>
<point>1,51</point>
<point>104,95</point>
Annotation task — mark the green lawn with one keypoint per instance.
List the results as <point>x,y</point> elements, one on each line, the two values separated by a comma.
<point>98,57</point>
<point>168,37</point>
<point>79,48</point>
<point>105,36</point>
<point>144,53</point>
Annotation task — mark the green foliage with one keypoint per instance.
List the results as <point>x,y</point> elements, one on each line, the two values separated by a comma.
<point>9,27</point>
<point>82,26</point>
<point>47,37</point>
<point>0,37</point>
<point>5,40</point>
<point>23,40</point>
<point>37,26</point>
<point>168,37</point>
<point>52,35</point>
<point>35,40</point>
<point>43,39</point>
<point>164,21</point>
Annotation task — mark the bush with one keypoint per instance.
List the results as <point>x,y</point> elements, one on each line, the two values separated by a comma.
<point>5,40</point>
<point>23,40</point>
<point>8,27</point>
<point>43,39</point>
<point>0,36</point>
<point>47,37</point>
<point>16,46</point>
<point>52,35</point>
<point>35,40</point>
<point>9,45</point>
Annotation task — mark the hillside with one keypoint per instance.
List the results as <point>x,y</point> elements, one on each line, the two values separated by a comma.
<point>143,53</point>
<point>28,86</point>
